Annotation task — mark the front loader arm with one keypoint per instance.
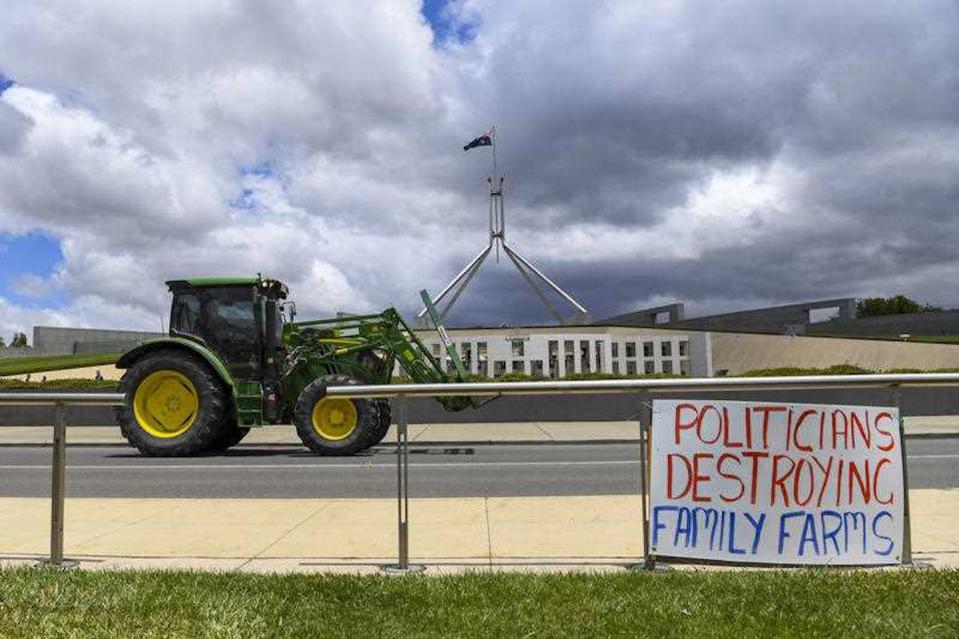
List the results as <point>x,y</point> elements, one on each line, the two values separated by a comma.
<point>461,374</point>
<point>334,342</point>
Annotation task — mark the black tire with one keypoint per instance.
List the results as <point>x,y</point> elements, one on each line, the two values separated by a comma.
<point>384,422</point>
<point>230,435</point>
<point>367,419</point>
<point>213,400</point>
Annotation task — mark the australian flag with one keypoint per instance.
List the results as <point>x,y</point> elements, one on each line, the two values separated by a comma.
<point>484,140</point>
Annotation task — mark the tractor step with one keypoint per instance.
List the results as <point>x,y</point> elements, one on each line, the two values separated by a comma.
<point>249,403</point>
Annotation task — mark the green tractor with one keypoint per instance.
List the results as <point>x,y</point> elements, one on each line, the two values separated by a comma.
<point>235,359</point>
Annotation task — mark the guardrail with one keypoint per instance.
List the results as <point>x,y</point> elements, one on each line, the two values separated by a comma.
<point>641,387</point>
<point>59,401</point>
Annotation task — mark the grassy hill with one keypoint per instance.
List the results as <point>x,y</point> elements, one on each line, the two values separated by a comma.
<point>23,365</point>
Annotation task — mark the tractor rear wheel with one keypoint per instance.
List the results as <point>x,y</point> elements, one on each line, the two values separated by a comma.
<point>334,425</point>
<point>384,422</point>
<point>230,435</point>
<point>175,405</point>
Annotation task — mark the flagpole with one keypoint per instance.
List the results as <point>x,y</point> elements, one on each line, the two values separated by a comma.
<point>493,137</point>
<point>497,238</point>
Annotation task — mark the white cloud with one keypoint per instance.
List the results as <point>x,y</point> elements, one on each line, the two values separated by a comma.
<point>633,134</point>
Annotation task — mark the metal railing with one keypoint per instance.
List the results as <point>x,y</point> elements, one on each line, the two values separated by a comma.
<point>58,472</point>
<point>400,392</point>
<point>642,388</point>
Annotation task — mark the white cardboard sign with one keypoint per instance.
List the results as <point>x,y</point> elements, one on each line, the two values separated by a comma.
<point>775,483</point>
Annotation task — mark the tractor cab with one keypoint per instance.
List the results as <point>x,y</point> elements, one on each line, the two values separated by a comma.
<point>239,319</point>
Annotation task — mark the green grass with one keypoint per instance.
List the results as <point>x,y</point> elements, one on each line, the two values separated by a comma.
<point>65,385</point>
<point>939,339</point>
<point>22,365</point>
<point>753,604</point>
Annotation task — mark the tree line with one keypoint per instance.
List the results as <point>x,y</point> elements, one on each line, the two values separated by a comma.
<point>18,340</point>
<point>895,305</point>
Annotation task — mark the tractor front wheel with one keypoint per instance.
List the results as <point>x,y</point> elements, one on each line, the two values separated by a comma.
<point>384,422</point>
<point>334,425</point>
<point>175,405</point>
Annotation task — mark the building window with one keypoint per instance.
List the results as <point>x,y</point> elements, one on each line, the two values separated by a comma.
<point>517,347</point>
<point>467,350</point>
<point>584,356</point>
<point>649,367</point>
<point>667,349</point>
<point>647,349</point>
<point>482,365</point>
<point>667,366</point>
<point>684,348</point>
<point>615,367</point>
<point>615,349</point>
<point>436,350</point>
<point>684,367</point>
<point>630,368</point>
<point>599,356</point>
<point>518,366</point>
<point>536,367</point>
<point>499,368</point>
<point>568,347</point>
<point>630,349</point>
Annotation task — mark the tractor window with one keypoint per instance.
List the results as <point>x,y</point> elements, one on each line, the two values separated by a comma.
<point>230,327</point>
<point>185,316</point>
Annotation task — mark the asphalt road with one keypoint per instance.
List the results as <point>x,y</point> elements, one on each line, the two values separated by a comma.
<point>435,471</point>
<point>565,408</point>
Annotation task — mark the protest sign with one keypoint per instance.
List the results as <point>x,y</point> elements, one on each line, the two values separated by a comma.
<point>776,483</point>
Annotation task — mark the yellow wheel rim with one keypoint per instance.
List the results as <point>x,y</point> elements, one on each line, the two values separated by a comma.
<point>166,404</point>
<point>334,418</point>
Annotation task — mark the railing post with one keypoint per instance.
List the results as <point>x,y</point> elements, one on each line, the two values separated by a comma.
<point>645,418</point>
<point>906,521</point>
<point>402,492</point>
<point>58,491</point>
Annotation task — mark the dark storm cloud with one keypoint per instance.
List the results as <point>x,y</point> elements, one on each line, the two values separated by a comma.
<point>727,154</point>
<point>615,115</point>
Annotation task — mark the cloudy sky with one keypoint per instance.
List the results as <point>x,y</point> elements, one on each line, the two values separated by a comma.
<point>727,154</point>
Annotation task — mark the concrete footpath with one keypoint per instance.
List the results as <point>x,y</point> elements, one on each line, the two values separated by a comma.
<point>596,532</point>
<point>435,433</point>
<point>602,532</point>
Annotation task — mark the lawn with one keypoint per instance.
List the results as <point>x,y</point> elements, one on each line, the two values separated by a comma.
<point>730,603</point>
<point>942,339</point>
<point>22,365</point>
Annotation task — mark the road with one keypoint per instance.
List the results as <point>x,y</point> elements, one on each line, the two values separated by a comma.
<point>435,471</point>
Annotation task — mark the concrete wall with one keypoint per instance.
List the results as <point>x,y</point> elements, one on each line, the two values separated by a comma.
<point>650,316</point>
<point>775,319</point>
<point>787,319</point>
<point>740,352</point>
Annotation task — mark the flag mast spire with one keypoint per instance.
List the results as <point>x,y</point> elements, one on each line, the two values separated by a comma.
<point>497,239</point>
<point>492,131</point>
